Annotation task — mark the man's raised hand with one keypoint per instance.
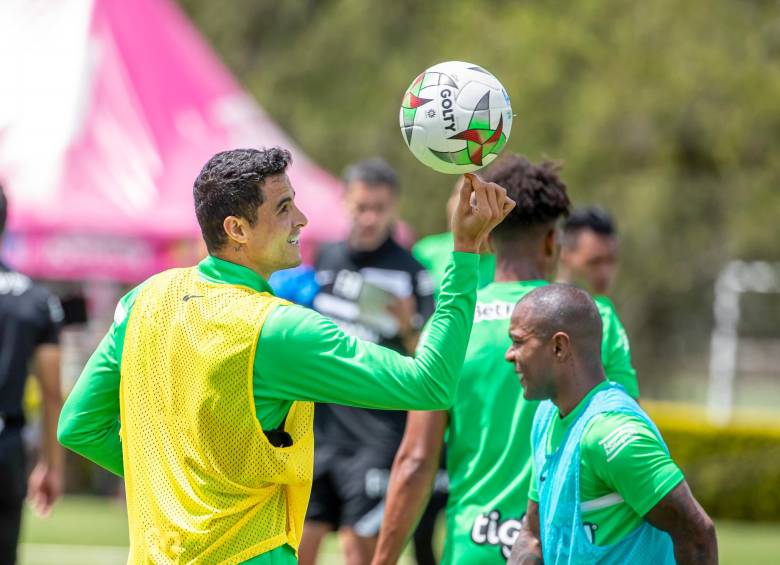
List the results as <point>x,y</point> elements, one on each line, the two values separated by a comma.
<point>481,207</point>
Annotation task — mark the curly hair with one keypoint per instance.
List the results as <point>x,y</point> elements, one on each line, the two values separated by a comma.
<point>538,190</point>
<point>230,184</point>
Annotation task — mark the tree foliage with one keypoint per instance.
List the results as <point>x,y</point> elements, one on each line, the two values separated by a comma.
<point>667,112</point>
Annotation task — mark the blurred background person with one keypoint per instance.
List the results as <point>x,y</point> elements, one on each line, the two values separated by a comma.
<point>30,319</point>
<point>589,250</point>
<point>375,290</point>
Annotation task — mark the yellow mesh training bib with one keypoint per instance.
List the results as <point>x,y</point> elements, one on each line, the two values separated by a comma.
<point>204,485</point>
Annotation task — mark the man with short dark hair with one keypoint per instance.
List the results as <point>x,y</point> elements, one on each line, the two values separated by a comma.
<point>359,278</point>
<point>604,488</point>
<point>201,393</point>
<point>30,319</point>
<point>589,250</point>
<point>488,425</point>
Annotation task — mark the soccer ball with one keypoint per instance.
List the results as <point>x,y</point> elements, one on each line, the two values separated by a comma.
<point>456,117</point>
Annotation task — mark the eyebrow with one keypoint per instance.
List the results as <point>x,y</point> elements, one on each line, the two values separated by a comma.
<point>520,334</point>
<point>282,202</point>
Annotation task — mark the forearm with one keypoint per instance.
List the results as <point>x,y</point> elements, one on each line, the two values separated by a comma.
<point>697,546</point>
<point>691,529</point>
<point>89,422</point>
<point>98,442</point>
<point>440,358</point>
<point>303,356</point>
<point>410,341</point>
<point>408,493</point>
<point>102,447</point>
<point>47,371</point>
<point>52,453</point>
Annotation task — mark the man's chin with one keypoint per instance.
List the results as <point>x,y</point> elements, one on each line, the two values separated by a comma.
<point>289,263</point>
<point>294,261</point>
<point>528,393</point>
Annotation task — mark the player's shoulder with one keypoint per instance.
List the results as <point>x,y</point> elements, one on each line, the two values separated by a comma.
<point>507,291</point>
<point>432,244</point>
<point>605,307</point>
<point>127,301</point>
<point>17,284</point>
<point>609,316</point>
<point>607,434</point>
<point>28,294</point>
<point>492,306</point>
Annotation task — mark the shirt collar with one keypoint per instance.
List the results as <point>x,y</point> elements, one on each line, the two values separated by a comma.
<point>217,270</point>
<point>533,283</point>
<point>574,414</point>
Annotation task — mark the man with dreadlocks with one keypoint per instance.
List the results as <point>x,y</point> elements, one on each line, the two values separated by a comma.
<point>489,424</point>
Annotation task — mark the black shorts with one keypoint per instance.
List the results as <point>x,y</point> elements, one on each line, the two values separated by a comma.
<point>349,491</point>
<point>13,488</point>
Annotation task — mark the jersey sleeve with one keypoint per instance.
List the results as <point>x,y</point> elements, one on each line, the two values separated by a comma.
<point>302,355</point>
<point>89,421</point>
<point>627,456</point>
<point>51,316</point>
<point>533,489</point>
<point>615,349</point>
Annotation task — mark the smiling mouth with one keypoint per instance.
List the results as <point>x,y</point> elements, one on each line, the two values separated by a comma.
<point>295,240</point>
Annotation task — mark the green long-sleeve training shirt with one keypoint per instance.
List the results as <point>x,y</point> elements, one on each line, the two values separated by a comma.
<point>301,355</point>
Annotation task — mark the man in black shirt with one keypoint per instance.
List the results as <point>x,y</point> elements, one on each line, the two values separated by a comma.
<point>29,325</point>
<point>374,289</point>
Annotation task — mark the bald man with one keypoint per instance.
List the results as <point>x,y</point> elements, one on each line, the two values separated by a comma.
<point>604,488</point>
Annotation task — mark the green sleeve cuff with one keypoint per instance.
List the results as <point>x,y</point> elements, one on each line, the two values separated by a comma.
<point>468,258</point>
<point>661,490</point>
<point>462,274</point>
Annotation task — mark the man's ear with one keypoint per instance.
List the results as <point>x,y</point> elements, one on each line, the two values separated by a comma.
<point>561,345</point>
<point>235,228</point>
<point>551,243</point>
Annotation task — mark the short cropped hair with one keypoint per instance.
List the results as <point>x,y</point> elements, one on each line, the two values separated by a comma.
<point>373,172</point>
<point>539,192</point>
<point>230,184</point>
<point>594,218</point>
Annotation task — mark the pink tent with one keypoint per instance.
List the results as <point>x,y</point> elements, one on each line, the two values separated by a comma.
<point>108,110</point>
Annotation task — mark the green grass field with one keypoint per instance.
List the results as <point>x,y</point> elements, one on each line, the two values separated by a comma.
<point>93,531</point>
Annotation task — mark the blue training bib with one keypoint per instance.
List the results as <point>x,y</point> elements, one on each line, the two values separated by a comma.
<point>563,537</point>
